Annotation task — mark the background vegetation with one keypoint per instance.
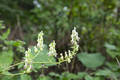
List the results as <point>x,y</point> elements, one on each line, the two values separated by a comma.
<point>98,25</point>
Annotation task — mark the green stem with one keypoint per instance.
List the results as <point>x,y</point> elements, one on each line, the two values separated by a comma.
<point>12,66</point>
<point>13,74</point>
<point>24,62</point>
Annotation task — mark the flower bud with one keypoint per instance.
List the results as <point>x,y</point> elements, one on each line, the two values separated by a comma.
<point>35,49</point>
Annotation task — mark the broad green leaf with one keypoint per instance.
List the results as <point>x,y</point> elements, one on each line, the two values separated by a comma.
<point>91,60</point>
<point>43,57</point>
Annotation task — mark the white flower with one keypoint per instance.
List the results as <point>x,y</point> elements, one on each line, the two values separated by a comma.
<point>28,60</point>
<point>69,53</point>
<point>61,56</point>
<point>74,41</point>
<point>74,36</point>
<point>27,53</point>
<point>52,51</point>
<point>29,68</point>
<point>40,41</point>
<point>66,56</point>
<point>69,60</point>
<point>35,49</point>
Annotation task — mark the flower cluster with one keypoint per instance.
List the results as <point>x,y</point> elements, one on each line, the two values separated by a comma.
<point>52,51</point>
<point>28,54</point>
<point>75,39</point>
<point>74,36</point>
<point>28,60</point>
<point>40,44</point>
<point>69,55</point>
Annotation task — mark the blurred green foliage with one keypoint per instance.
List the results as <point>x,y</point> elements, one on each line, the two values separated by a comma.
<point>7,51</point>
<point>98,24</point>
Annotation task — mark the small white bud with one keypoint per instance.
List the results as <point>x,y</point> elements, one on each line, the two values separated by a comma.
<point>66,55</point>
<point>61,56</point>
<point>35,49</point>
<point>69,53</point>
<point>69,60</point>
<point>29,68</point>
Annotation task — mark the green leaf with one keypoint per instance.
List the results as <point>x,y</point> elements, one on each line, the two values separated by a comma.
<point>112,53</point>
<point>6,73</point>
<point>25,77</point>
<point>69,76</point>
<point>44,78</point>
<point>104,72</point>
<point>88,77</point>
<point>109,46</point>
<point>5,35</point>
<point>98,78</point>
<point>91,60</point>
<point>107,73</point>
<point>43,57</point>
<point>82,75</point>
<point>6,59</point>
<point>112,65</point>
<point>14,43</point>
<point>112,50</point>
<point>10,78</point>
<point>18,44</point>
<point>54,74</point>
